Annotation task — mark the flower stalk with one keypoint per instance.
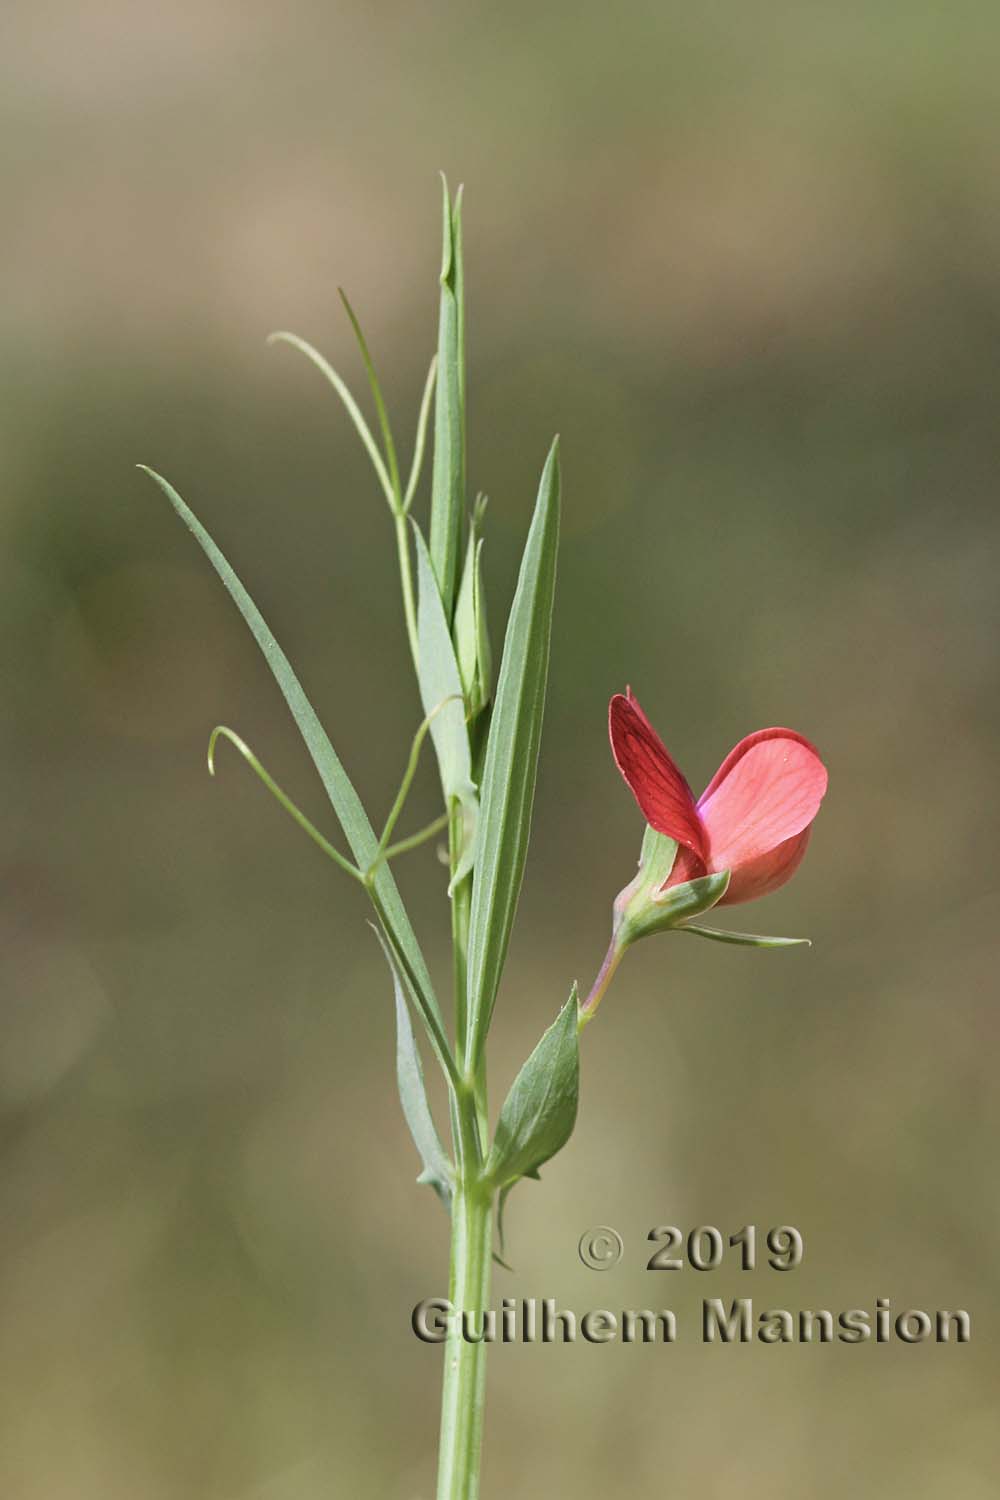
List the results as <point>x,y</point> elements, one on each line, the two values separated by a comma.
<point>606,973</point>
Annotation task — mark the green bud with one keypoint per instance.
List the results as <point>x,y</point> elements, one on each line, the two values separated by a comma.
<point>472,646</point>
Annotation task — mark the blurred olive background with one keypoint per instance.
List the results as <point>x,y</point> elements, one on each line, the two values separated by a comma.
<point>746,260</point>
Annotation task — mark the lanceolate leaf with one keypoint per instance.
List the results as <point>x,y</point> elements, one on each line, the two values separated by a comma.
<point>339,788</point>
<point>437,1168</point>
<point>458,279</point>
<point>448,475</point>
<point>508,782</point>
<point>539,1113</point>
<point>441,690</point>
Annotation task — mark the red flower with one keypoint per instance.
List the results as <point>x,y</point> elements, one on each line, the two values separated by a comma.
<point>753,818</point>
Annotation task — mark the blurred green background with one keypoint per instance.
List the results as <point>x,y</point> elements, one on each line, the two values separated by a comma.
<point>746,259</point>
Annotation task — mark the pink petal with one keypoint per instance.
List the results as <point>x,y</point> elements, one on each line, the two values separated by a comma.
<point>767,790</point>
<point>663,795</point>
<point>767,872</point>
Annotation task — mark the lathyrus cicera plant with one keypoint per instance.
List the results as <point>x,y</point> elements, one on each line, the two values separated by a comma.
<point>743,838</point>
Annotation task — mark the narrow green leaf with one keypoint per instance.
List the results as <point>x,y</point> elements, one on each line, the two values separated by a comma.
<point>350,405</point>
<point>344,799</point>
<point>421,438</point>
<point>744,939</point>
<point>465,624</point>
<point>447,482</point>
<point>458,277</point>
<point>539,1113</point>
<point>437,1168</point>
<point>484,656</point>
<point>508,782</point>
<point>441,695</point>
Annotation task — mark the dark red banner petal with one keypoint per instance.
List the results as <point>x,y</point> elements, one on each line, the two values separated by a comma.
<point>656,783</point>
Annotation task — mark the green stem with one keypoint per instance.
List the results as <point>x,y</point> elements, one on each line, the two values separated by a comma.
<point>464,1392</point>
<point>461,900</point>
<point>463,1395</point>
<point>612,959</point>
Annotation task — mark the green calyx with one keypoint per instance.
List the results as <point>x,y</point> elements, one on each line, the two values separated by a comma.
<point>643,907</point>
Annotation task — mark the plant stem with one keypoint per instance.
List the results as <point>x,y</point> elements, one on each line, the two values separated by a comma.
<point>464,1391</point>
<point>612,959</point>
<point>463,1395</point>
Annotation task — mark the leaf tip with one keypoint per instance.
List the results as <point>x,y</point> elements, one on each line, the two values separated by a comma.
<point>349,310</point>
<point>552,463</point>
<point>160,482</point>
<point>448,232</point>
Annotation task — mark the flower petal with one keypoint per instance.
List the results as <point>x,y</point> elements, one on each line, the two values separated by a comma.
<point>767,790</point>
<point>687,866</point>
<point>663,795</point>
<point>761,876</point>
